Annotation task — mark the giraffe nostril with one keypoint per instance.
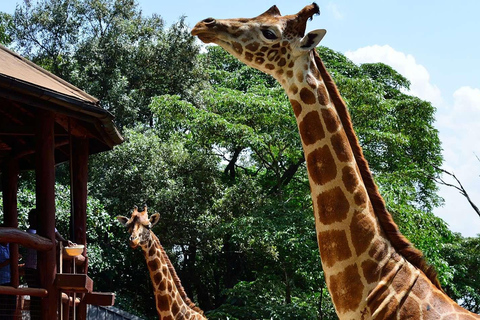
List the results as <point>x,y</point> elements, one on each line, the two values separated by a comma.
<point>209,22</point>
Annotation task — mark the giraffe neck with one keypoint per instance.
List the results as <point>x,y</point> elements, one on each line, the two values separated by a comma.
<point>170,298</point>
<point>354,249</point>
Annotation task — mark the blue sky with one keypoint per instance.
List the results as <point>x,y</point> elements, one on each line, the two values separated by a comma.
<point>435,44</point>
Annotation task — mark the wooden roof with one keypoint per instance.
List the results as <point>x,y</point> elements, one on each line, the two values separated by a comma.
<point>25,88</point>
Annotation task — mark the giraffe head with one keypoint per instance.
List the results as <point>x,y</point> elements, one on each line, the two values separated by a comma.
<point>139,226</point>
<point>270,42</point>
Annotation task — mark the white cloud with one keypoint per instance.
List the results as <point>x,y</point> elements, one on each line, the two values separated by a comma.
<point>405,64</point>
<point>459,131</point>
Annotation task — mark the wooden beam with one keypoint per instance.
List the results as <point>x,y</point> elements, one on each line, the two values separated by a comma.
<point>28,240</point>
<point>99,298</point>
<point>36,292</point>
<point>74,282</point>
<point>45,196</point>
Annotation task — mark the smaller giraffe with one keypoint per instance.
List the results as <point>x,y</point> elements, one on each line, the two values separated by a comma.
<point>170,297</point>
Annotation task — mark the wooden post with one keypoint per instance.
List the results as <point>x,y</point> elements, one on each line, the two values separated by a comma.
<point>10,189</point>
<point>45,196</point>
<point>79,163</point>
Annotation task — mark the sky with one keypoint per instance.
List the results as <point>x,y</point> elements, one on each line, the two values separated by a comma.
<point>434,44</point>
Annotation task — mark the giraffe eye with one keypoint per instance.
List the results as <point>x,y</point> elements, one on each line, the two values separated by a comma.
<point>269,34</point>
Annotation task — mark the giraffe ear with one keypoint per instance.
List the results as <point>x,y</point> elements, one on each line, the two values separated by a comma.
<point>154,218</point>
<point>123,220</point>
<point>312,39</point>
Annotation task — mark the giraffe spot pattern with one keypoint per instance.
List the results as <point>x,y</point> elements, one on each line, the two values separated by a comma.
<point>237,47</point>
<point>401,281</point>
<point>332,206</point>
<point>297,108</point>
<point>263,49</point>
<point>379,250</point>
<point>310,127</point>
<point>300,76</point>
<point>350,179</point>
<point>163,302</point>
<point>411,309</point>
<point>154,264</point>
<point>331,119</point>
<point>252,46</point>
<point>346,289</point>
<point>269,66</point>
<point>307,96</point>
<point>157,279</point>
<point>293,89</point>
<point>290,73</point>
<point>364,230</point>
<point>321,165</point>
<point>248,56</point>
<point>322,94</point>
<point>282,62</point>
<point>371,271</point>
<point>342,147</point>
<point>311,81</point>
<point>333,245</point>
<point>272,54</point>
<point>360,198</point>
<point>259,60</point>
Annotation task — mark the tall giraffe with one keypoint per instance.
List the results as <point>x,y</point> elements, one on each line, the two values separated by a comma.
<point>170,297</point>
<point>371,270</point>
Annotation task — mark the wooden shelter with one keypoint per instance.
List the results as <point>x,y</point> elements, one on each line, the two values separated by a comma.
<point>44,121</point>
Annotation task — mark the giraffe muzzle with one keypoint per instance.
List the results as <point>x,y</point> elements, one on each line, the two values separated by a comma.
<point>205,30</point>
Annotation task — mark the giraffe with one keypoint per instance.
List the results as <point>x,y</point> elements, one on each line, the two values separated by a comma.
<point>371,270</point>
<point>170,297</point>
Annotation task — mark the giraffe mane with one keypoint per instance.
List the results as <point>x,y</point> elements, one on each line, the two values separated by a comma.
<point>398,240</point>
<point>175,277</point>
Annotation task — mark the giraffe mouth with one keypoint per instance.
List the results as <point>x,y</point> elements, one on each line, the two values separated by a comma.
<point>205,36</point>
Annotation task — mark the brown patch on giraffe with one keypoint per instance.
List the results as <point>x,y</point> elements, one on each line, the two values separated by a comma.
<point>346,288</point>
<point>410,309</point>
<point>175,307</point>
<point>248,56</point>
<point>297,108</point>
<point>321,165</point>
<point>291,64</point>
<point>360,198</point>
<point>283,50</point>
<point>165,271</point>
<point>440,303</point>
<point>272,54</point>
<point>402,280</point>
<point>252,46</point>
<point>282,62</point>
<point>333,246</point>
<point>169,317</point>
<point>157,279</point>
<point>323,97</point>
<point>429,312</point>
<point>280,72</point>
<point>371,271</point>
<point>310,127</point>
<point>389,311</point>
<point>276,46</point>
<point>331,119</point>
<point>300,76</point>
<point>170,286</point>
<point>263,49</point>
<point>269,66</point>
<point>152,251</point>
<point>237,47</point>
<point>332,206</point>
<point>307,96</point>
<point>163,302</point>
<point>342,147</point>
<point>245,39</point>
<point>154,264</point>
<point>311,81</point>
<point>379,250</point>
<point>162,285</point>
<point>350,178</point>
<point>293,88</point>
<point>363,229</point>
<point>290,73</point>
<point>259,60</point>
<point>314,70</point>
<point>259,54</point>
